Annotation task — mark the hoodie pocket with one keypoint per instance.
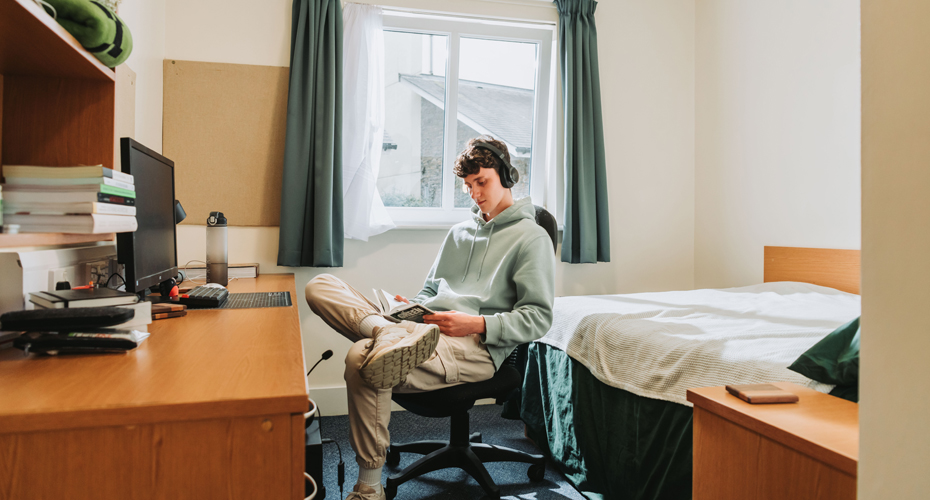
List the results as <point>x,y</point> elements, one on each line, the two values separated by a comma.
<point>447,299</point>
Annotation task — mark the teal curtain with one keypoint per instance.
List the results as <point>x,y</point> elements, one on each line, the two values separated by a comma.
<point>586,237</point>
<point>311,191</point>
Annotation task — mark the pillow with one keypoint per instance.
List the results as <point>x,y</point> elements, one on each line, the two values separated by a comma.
<point>834,360</point>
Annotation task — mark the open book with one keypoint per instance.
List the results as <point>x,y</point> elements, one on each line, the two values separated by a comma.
<point>397,310</point>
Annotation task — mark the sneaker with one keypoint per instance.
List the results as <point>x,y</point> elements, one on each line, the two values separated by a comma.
<point>396,350</point>
<point>365,492</point>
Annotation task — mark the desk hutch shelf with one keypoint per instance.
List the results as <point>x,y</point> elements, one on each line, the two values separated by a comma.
<point>58,103</point>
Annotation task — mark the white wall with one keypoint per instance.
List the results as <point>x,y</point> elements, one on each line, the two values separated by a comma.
<point>777,127</point>
<point>646,61</point>
<point>146,22</point>
<point>894,451</point>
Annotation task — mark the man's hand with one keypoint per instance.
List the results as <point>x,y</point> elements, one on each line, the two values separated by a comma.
<point>455,323</point>
<point>401,298</point>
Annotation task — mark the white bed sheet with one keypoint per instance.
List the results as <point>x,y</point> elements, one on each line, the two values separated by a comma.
<point>658,345</point>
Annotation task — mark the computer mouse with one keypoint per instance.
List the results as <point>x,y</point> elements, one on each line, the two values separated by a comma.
<point>214,285</point>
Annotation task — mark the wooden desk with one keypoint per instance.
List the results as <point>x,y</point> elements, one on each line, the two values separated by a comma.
<point>209,406</point>
<point>805,450</point>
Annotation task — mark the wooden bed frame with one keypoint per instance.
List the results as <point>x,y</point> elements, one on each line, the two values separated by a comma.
<point>838,269</point>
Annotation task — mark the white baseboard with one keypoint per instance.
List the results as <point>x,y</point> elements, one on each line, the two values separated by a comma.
<point>331,401</point>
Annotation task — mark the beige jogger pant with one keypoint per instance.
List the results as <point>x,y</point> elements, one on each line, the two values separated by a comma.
<point>457,360</point>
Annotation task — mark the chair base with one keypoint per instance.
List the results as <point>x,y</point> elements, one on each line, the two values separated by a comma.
<point>463,451</point>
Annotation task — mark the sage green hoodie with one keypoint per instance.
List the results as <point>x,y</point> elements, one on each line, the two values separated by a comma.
<point>504,270</point>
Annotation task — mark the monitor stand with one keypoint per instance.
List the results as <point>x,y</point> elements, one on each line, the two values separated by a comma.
<point>162,297</point>
<point>158,299</point>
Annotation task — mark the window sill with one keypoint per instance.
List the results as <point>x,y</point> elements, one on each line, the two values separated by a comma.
<point>436,227</point>
<point>424,227</point>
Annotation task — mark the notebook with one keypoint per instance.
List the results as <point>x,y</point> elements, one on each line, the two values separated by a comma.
<point>762,393</point>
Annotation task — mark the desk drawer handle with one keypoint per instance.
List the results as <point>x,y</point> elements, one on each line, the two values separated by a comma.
<point>309,415</point>
<point>308,477</point>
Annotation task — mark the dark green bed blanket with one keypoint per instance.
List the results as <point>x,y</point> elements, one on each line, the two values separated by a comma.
<point>610,443</point>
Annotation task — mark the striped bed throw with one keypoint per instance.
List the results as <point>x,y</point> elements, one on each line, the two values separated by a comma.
<point>658,345</point>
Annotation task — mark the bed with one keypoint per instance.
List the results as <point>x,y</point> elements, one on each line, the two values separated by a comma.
<point>604,391</point>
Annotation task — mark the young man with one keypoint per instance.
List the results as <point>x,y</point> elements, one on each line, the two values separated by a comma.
<point>490,295</point>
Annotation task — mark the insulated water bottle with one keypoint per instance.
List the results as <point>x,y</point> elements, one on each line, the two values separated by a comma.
<point>216,249</point>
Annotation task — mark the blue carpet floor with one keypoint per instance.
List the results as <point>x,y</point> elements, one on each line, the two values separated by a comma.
<point>450,484</point>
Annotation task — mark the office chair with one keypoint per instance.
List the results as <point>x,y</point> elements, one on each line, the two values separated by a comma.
<point>463,450</point>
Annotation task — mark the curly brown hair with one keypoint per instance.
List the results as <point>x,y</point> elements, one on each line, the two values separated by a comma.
<point>472,159</point>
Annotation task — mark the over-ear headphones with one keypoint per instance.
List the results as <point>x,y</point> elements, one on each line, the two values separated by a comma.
<point>509,175</point>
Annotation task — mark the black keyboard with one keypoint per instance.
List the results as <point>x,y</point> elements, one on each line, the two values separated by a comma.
<point>205,296</point>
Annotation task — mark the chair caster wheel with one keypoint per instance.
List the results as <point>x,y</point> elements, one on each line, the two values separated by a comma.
<point>390,493</point>
<point>536,473</point>
<point>475,438</point>
<point>393,457</point>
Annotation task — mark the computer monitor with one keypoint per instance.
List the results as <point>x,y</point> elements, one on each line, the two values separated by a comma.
<point>149,254</point>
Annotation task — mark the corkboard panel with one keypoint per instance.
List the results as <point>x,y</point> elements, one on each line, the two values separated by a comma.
<point>224,129</point>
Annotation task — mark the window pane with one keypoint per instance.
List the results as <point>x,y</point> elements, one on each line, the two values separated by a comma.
<point>497,96</point>
<point>414,96</point>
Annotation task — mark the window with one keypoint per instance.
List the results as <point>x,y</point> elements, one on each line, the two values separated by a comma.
<point>448,81</point>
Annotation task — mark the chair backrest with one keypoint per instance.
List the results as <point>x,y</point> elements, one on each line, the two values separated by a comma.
<point>548,222</point>
<point>517,359</point>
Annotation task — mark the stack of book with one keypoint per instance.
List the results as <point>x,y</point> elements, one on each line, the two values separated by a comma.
<point>91,199</point>
<point>164,310</point>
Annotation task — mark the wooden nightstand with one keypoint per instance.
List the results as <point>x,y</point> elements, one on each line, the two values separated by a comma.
<point>803,450</point>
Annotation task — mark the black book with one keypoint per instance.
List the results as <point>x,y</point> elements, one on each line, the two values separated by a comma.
<point>65,319</point>
<point>89,297</point>
<point>80,342</point>
<point>397,311</point>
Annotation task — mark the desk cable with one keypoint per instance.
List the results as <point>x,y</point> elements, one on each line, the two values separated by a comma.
<point>118,275</point>
<point>194,278</point>
<point>341,468</point>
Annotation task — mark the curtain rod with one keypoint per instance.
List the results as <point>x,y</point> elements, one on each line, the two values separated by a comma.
<point>537,4</point>
<point>542,4</point>
<point>461,15</point>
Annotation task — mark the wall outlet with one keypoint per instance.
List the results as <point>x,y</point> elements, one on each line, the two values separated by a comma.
<point>28,271</point>
<point>98,272</point>
<point>56,275</point>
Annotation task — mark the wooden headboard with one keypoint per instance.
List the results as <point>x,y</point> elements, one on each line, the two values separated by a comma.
<point>821,266</point>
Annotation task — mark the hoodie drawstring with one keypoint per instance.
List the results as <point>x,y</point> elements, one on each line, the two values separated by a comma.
<point>472,249</point>
<point>490,232</point>
<point>468,261</point>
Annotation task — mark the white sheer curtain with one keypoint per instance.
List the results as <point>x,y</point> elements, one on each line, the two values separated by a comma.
<point>362,121</point>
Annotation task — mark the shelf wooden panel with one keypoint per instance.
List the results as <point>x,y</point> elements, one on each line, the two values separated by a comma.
<point>47,239</point>
<point>32,43</point>
<point>57,104</point>
<point>58,122</point>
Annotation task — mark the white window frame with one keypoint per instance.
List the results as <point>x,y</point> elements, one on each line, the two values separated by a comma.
<point>540,176</point>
